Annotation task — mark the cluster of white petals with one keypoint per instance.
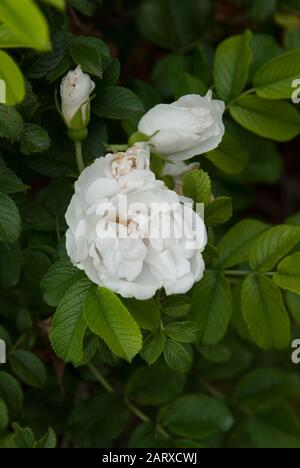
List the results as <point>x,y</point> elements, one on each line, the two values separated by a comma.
<point>191,126</point>
<point>114,247</point>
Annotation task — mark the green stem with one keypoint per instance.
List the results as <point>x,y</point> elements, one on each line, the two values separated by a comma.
<point>79,157</point>
<point>136,411</point>
<point>102,380</point>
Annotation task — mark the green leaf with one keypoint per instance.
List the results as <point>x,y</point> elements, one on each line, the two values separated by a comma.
<point>10,265</point>
<point>197,416</point>
<point>34,139</point>
<point>177,356</point>
<point>260,386</point>
<point>154,385</point>
<point>293,304</point>
<point>217,354</point>
<point>153,347</point>
<point>184,332</point>
<point>88,58</point>
<point>108,318</point>
<point>11,74</point>
<point>190,84</point>
<point>230,156</point>
<point>69,325</point>
<point>272,246</point>
<point>274,79</point>
<point>23,436</point>
<point>48,441</point>
<point>264,48</point>
<point>263,10</point>
<point>264,313</point>
<point>60,4</point>
<point>26,20</point>
<point>197,185</point>
<point>11,393</point>
<point>235,246</point>
<point>278,120</point>
<point>97,420</point>
<point>232,64</point>
<point>219,211</point>
<point>145,313</point>
<point>28,367</point>
<point>58,280</point>
<point>211,307</point>
<point>4,420</point>
<point>288,276</point>
<point>276,427</point>
<point>117,103</point>
<point>11,123</point>
<point>10,221</point>
<point>9,181</point>
<point>292,39</point>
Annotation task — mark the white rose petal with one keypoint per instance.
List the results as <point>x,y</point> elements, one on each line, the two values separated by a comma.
<point>136,264</point>
<point>190,126</point>
<point>76,89</point>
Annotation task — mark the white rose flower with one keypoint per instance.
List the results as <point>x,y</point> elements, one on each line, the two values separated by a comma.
<point>116,248</point>
<point>76,89</point>
<point>190,126</point>
<point>122,164</point>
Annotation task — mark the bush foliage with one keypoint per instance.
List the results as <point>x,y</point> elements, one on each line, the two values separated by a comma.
<point>211,368</point>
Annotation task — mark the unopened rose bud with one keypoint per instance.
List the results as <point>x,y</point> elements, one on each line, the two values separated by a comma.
<point>76,89</point>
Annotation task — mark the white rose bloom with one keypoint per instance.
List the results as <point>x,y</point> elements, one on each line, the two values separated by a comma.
<point>122,164</point>
<point>115,248</point>
<point>191,126</point>
<point>76,89</point>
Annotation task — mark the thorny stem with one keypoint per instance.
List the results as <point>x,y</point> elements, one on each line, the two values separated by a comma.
<point>79,158</point>
<point>136,411</point>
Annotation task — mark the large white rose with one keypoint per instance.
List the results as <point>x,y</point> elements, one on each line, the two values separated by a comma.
<point>119,248</point>
<point>76,89</point>
<point>190,126</point>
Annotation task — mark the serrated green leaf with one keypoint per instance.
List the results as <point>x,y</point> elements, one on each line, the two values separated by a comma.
<point>145,313</point>
<point>278,120</point>
<point>10,221</point>
<point>4,420</point>
<point>184,332</point>
<point>28,367</point>
<point>264,313</point>
<point>89,59</point>
<point>9,181</point>
<point>190,84</point>
<point>230,156</point>
<point>11,123</point>
<point>177,356</point>
<point>211,307</point>
<point>196,416</point>
<point>272,246</point>
<point>219,211</point>
<point>34,139</point>
<point>10,265</point>
<point>197,185</point>
<point>232,64</point>
<point>58,280</point>
<point>235,246</point>
<point>153,347</point>
<point>117,103</point>
<point>274,79</point>
<point>11,393</point>
<point>23,437</point>
<point>60,4</point>
<point>69,325</point>
<point>108,318</point>
<point>48,441</point>
<point>288,276</point>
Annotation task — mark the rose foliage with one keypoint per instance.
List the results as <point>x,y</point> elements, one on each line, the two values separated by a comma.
<point>130,340</point>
